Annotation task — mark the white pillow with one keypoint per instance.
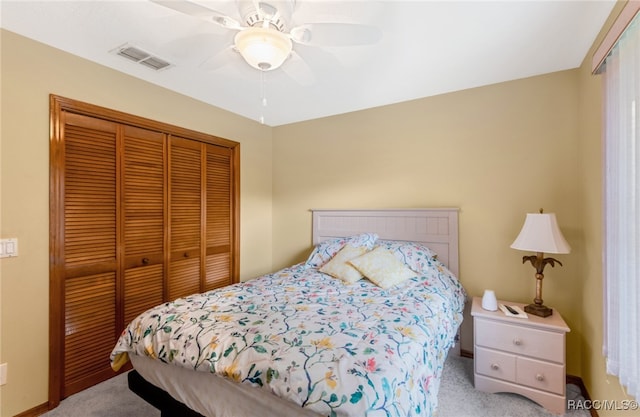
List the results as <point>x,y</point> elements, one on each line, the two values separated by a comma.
<point>382,268</point>
<point>327,249</point>
<point>338,266</point>
<point>415,255</point>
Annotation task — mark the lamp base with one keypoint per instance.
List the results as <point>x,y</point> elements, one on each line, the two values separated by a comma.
<point>538,310</point>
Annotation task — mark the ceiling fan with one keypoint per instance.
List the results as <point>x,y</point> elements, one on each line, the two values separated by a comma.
<point>265,36</point>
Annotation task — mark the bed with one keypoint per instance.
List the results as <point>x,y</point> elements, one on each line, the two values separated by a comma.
<point>310,339</point>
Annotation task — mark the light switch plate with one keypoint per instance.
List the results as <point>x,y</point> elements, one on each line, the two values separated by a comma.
<point>8,248</point>
<point>3,373</point>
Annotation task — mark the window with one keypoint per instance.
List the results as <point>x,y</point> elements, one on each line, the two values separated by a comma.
<point>622,209</point>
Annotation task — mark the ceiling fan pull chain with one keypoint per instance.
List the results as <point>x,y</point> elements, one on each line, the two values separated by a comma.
<point>263,96</point>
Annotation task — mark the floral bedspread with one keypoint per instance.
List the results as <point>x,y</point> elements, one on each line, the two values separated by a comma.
<point>335,349</point>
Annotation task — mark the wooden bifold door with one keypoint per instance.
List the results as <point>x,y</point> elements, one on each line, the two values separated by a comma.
<point>141,213</point>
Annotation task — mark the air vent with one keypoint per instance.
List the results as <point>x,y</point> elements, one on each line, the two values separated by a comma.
<point>142,57</point>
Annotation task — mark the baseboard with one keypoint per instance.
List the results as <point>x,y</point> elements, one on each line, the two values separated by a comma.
<point>576,380</point>
<point>466,353</point>
<point>571,379</point>
<point>35,411</point>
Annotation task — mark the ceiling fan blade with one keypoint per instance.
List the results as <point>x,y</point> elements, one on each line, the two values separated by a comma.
<point>335,34</point>
<point>226,56</point>
<point>297,69</point>
<point>258,9</point>
<point>265,10</point>
<point>195,10</point>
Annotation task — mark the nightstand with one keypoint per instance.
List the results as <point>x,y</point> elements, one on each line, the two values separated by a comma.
<point>523,356</point>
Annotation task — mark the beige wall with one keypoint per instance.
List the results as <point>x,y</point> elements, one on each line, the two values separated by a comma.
<point>30,72</point>
<point>600,385</point>
<point>495,152</point>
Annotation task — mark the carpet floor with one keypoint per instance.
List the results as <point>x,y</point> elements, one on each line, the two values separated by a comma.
<point>457,398</point>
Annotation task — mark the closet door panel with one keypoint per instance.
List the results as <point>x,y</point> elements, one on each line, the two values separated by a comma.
<point>219,212</point>
<point>90,249</point>
<point>143,289</point>
<point>185,278</point>
<point>90,322</point>
<point>185,173</point>
<point>218,267</point>
<point>89,192</point>
<point>143,178</point>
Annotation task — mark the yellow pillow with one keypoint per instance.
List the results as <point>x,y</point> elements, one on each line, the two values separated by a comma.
<point>382,268</point>
<point>338,266</point>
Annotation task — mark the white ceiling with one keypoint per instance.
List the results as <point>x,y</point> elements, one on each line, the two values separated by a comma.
<point>426,48</point>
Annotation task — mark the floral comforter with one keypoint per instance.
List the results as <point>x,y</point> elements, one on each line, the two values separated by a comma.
<point>335,349</point>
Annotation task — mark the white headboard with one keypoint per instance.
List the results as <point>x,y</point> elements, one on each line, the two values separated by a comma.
<point>437,228</point>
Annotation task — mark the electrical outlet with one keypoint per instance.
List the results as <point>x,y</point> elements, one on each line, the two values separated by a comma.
<point>3,373</point>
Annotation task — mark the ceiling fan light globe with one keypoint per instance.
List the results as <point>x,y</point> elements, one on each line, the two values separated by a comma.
<point>263,48</point>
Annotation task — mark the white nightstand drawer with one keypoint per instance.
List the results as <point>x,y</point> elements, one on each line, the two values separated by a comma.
<point>495,364</point>
<point>541,375</point>
<point>520,339</point>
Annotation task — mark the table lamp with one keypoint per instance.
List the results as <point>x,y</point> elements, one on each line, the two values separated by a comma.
<point>540,234</point>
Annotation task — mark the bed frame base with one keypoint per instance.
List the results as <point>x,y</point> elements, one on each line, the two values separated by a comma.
<point>160,399</point>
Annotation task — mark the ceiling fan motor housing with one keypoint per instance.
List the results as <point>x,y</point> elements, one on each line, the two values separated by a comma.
<point>276,12</point>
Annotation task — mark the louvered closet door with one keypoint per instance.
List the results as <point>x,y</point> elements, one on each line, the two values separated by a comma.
<point>143,178</point>
<point>90,242</point>
<point>138,217</point>
<point>186,217</point>
<point>218,214</point>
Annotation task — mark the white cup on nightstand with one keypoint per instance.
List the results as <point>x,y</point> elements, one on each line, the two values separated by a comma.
<point>489,301</point>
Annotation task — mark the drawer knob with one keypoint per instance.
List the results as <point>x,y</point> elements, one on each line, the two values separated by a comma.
<point>517,342</point>
<point>495,366</point>
<point>540,377</point>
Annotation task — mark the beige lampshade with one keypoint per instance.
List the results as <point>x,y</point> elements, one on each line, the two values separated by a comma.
<point>263,48</point>
<point>541,233</point>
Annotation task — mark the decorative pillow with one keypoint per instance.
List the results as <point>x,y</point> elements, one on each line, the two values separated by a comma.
<point>338,266</point>
<point>382,268</point>
<point>326,250</point>
<point>415,255</point>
